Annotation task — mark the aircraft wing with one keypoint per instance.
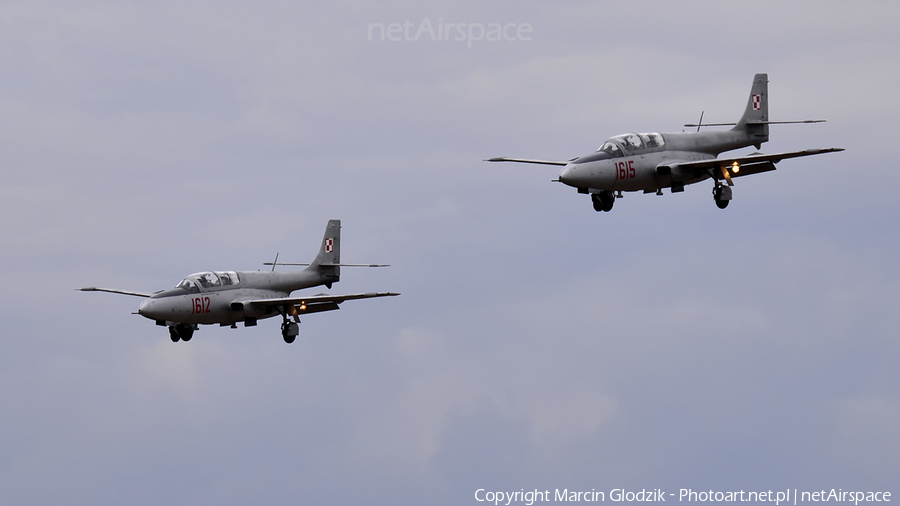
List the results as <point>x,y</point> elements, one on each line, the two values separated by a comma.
<point>315,303</point>
<point>758,158</point>
<point>525,160</point>
<point>111,290</point>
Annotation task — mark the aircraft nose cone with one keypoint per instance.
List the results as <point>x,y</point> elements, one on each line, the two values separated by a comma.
<point>147,310</point>
<point>565,175</point>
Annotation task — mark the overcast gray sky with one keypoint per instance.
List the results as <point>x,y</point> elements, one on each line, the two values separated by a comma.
<point>537,344</point>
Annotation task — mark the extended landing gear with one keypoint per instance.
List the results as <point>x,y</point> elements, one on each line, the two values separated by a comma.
<point>722,195</point>
<point>289,331</point>
<point>603,201</point>
<point>181,332</point>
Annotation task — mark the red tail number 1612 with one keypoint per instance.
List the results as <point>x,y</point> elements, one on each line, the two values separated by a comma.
<point>200,305</point>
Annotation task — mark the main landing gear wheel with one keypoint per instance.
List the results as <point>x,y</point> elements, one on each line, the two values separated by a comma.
<point>173,335</point>
<point>722,195</point>
<point>603,201</point>
<point>289,331</point>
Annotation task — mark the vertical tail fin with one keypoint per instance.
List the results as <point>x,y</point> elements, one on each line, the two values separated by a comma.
<point>756,115</point>
<point>329,256</point>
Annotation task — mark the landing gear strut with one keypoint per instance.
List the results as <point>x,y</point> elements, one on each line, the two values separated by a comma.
<point>722,195</point>
<point>603,201</point>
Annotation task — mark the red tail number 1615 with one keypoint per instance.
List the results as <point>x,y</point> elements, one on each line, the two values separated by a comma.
<point>625,170</point>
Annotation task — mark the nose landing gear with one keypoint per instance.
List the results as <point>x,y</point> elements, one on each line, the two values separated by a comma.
<point>181,332</point>
<point>603,201</point>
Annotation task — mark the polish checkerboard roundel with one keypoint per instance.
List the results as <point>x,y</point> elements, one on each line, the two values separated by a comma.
<point>329,245</point>
<point>756,102</point>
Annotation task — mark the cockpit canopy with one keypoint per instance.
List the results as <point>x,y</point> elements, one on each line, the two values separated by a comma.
<point>203,281</point>
<point>632,143</point>
<point>611,148</point>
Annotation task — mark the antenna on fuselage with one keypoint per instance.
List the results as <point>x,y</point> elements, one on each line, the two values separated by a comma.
<point>275,262</point>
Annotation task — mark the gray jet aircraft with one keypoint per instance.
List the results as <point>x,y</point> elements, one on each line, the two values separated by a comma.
<point>229,297</point>
<point>650,162</point>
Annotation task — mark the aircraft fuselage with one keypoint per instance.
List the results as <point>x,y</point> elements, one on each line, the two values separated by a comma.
<point>211,303</point>
<point>631,162</point>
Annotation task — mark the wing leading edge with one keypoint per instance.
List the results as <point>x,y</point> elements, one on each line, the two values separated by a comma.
<point>314,303</point>
<point>112,290</point>
<point>526,160</point>
<point>752,159</point>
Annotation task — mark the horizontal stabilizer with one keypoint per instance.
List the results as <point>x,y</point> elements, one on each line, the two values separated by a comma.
<point>758,123</point>
<point>526,160</point>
